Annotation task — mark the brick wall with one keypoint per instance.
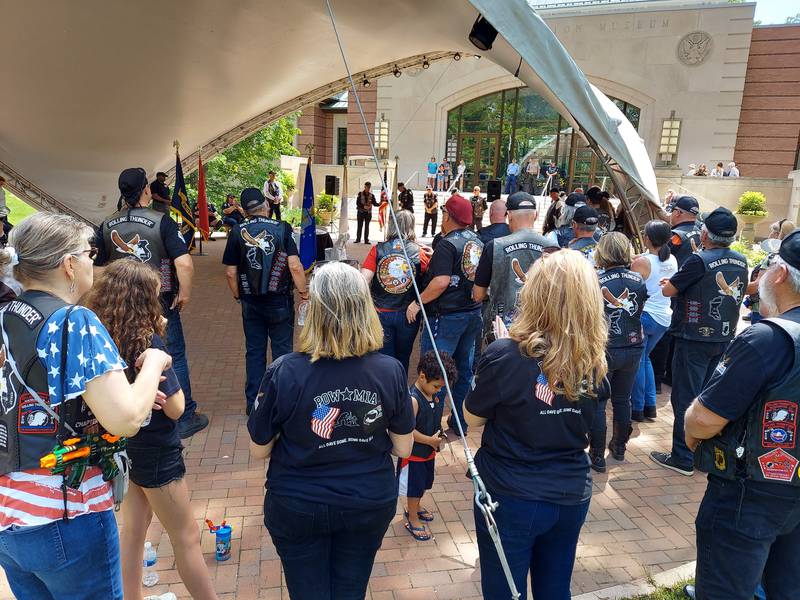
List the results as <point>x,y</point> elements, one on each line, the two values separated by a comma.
<point>357,141</point>
<point>769,123</point>
<point>316,127</point>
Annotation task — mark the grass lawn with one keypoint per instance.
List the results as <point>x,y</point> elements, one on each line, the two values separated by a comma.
<point>19,210</point>
<point>674,592</point>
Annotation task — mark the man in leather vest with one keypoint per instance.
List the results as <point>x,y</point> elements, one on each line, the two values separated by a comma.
<point>708,289</point>
<point>584,225</point>
<point>140,233</point>
<point>505,261</point>
<point>274,195</point>
<point>405,198</point>
<point>685,235</point>
<point>364,203</point>
<point>261,262</point>
<point>455,316</point>
<point>746,423</point>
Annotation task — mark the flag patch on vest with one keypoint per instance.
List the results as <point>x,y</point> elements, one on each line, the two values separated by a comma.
<point>779,424</point>
<point>778,465</point>
<point>135,247</point>
<point>33,418</point>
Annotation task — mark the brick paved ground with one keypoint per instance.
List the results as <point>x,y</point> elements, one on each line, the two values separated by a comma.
<point>641,518</point>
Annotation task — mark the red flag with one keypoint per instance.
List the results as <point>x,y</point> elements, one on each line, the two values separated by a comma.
<point>382,209</point>
<point>202,203</point>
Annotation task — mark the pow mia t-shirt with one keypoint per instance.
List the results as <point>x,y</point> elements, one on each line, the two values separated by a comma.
<point>533,444</point>
<point>332,418</point>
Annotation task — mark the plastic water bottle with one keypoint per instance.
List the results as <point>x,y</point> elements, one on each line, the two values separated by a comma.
<point>302,311</point>
<point>150,575</point>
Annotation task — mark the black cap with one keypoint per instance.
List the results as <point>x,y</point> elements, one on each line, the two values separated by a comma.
<point>790,249</point>
<point>554,189</point>
<point>131,184</point>
<point>586,215</point>
<point>721,222</point>
<point>251,199</point>
<point>575,199</point>
<point>161,174</point>
<point>687,204</point>
<point>520,201</point>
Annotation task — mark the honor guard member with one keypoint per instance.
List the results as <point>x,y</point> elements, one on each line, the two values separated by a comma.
<point>140,233</point>
<point>685,233</point>
<point>584,225</point>
<point>708,290</point>
<point>748,524</point>
<point>262,262</point>
<point>505,261</point>
<point>455,316</point>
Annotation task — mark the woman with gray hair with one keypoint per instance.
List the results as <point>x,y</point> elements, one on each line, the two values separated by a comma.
<point>330,416</point>
<point>61,376</point>
<point>389,274</point>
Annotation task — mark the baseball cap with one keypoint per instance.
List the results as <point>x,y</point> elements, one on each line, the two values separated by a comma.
<point>722,222</point>
<point>586,215</point>
<point>459,208</point>
<point>575,199</point>
<point>520,201</point>
<point>790,249</point>
<point>687,204</point>
<point>131,184</point>
<point>251,199</point>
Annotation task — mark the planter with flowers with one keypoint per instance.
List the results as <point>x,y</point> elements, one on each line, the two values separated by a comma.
<point>752,210</point>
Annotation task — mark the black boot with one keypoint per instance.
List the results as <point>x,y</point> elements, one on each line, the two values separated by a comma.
<point>620,437</point>
<point>637,415</point>
<point>597,456</point>
<point>650,413</point>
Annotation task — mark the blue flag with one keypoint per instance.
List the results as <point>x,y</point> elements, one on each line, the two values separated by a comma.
<point>308,235</point>
<point>180,204</point>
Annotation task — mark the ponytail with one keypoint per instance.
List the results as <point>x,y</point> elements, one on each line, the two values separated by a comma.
<point>664,253</point>
<point>658,232</point>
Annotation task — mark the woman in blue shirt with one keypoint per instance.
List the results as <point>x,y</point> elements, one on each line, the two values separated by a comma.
<point>330,417</point>
<point>535,394</point>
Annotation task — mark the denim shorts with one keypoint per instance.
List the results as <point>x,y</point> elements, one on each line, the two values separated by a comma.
<point>155,467</point>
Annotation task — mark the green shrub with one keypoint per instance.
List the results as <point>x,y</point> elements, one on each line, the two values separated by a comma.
<point>753,254</point>
<point>752,203</point>
<point>294,217</point>
<point>325,202</point>
<point>287,182</point>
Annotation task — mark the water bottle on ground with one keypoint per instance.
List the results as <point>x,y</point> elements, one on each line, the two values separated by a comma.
<point>150,575</point>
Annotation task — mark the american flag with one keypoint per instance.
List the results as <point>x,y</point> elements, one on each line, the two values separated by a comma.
<point>543,391</point>
<point>323,419</point>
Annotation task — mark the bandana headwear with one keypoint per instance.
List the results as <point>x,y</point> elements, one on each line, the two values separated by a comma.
<point>12,252</point>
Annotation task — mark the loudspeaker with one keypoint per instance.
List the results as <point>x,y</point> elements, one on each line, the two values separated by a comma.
<point>332,185</point>
<point>493,190</point>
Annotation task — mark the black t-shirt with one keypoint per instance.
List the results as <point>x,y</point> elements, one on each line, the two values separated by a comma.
<point>493,231</point>
<point>235,215</point>
<point>483,274</point>
<point>159,431</point>
<point>445,261</point>
<point>162,190</point>
<point>533,444</point>
<point>332,417</point>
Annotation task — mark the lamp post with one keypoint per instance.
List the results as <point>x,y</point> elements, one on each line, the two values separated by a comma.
<point>382,137</point>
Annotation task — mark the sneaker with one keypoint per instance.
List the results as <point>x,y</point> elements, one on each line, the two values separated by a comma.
<point>688,591</point>
<point>665,460</point>
<point>197,422</point>
<point>650,413</point>
<point>637,415</point>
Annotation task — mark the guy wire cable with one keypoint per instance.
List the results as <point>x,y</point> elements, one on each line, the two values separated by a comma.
<point>482,497</point>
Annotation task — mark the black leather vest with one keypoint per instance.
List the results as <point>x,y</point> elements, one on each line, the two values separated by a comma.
<point>458,294</point>
<point>585,246</point>
<point>689,237</point>
<point>762,445</point>
<point>624,293</point>
<point>27,431</point>
<point>708,311</point>
<point>263,266</point>
<point>429,421</point>
<point>136,233</point>
<point>391,286</point>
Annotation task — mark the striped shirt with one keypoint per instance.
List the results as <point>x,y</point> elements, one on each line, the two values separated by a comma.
<point>34,497</point>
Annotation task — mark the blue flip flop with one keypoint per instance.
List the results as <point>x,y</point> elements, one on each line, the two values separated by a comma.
<point>418,533</point>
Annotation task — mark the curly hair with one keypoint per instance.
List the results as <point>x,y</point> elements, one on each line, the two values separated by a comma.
<point>125,299</point>
<point>429,366</point>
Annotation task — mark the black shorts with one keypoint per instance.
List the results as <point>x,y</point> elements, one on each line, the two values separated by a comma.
<point>414,478</point>
<point>155,467</point>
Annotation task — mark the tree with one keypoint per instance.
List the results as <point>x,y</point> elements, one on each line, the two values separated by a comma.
<point>795,20</point>
<point>248,163</point>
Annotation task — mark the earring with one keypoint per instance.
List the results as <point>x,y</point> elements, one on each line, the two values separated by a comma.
<point>72,287</point>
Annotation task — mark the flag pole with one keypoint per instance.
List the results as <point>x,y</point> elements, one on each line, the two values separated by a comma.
<point>200,253</point>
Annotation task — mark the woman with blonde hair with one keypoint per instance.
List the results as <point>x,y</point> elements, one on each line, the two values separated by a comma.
<point>624,294</point>
<point>61,376</point>
<point>125,298</point>
<point>330,416</point>
<point>536,393</point>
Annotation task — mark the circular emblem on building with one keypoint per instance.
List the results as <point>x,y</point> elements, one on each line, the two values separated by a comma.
<point>694,47</point>
<point>470,259</point>
<point>394,274</point>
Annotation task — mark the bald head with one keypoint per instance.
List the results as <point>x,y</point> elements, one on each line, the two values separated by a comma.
<point>497,212</point>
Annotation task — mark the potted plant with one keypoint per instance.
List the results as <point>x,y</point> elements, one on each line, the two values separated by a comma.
<point>325,208</point>
<point>752,209</point>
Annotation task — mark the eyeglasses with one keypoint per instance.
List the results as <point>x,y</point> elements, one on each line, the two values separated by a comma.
<point>92,252</point>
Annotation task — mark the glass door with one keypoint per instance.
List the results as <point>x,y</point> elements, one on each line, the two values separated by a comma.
<point>479,151</point>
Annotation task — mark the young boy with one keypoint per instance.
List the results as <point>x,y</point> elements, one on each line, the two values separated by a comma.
<point>415,473</point>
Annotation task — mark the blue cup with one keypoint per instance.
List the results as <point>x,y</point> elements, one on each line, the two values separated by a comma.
<point>223,543</point>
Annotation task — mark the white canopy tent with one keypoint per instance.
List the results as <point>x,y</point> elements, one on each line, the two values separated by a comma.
<point>95,86</point>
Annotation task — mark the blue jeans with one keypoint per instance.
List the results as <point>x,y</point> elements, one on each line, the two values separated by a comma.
<point>455,334</point>
<point>538,538</point>
<point>264,323</point>
<point>398,335</point>
<point>644,388</point>
<point>177,349</point>
<point>511,184</point>
<point>746,529</point>
<point>78,559</point>
<point>327,552</point>
<point>693,363</point>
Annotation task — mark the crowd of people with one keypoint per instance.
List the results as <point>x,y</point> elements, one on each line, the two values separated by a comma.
<point>719,170</point>
<point>532,333</point>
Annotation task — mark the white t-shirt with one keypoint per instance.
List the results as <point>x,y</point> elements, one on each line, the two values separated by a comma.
<point>734,172</point>
<point>3,206</point>
<point>657,304</point>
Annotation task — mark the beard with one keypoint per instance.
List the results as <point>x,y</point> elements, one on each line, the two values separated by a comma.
<point>768,305</point>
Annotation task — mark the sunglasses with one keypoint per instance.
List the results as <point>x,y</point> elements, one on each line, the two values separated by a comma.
<point>92,252</point>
